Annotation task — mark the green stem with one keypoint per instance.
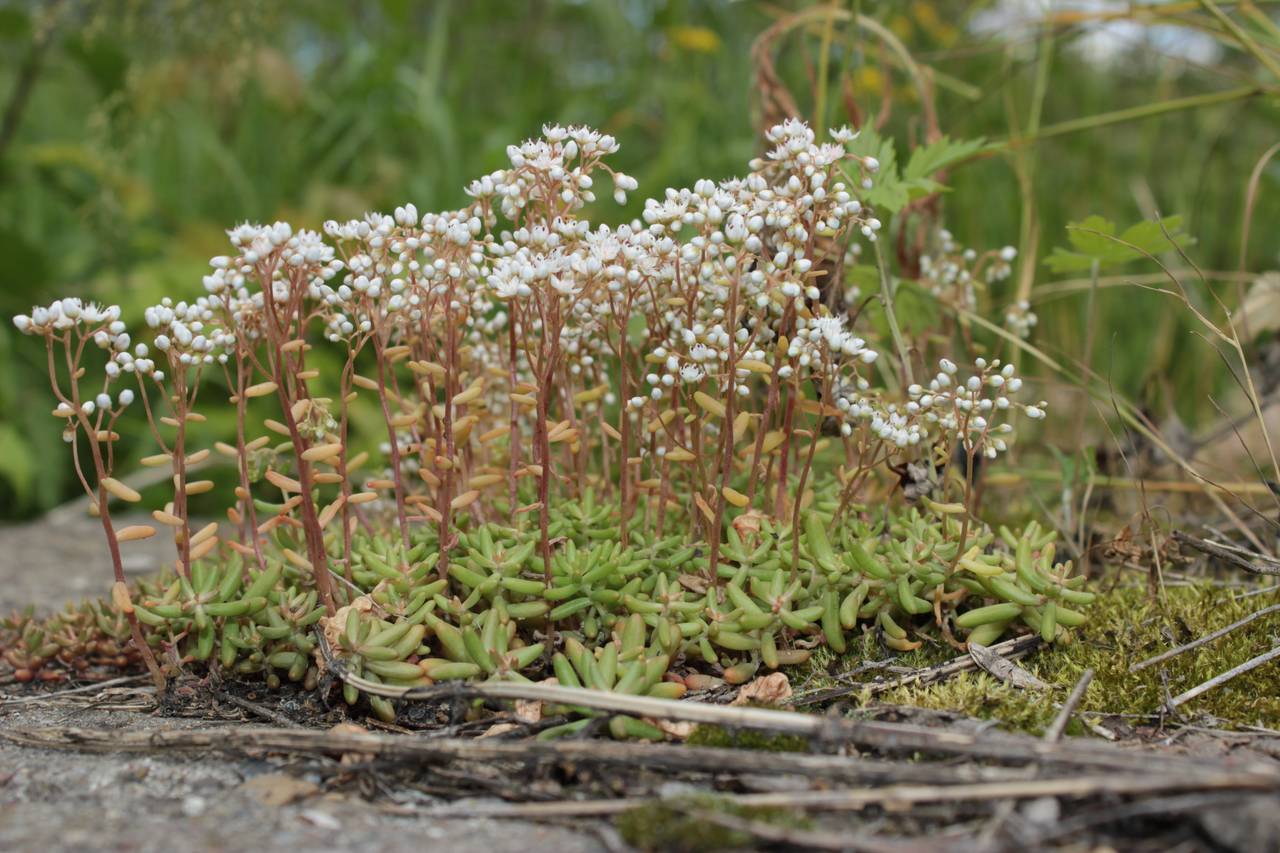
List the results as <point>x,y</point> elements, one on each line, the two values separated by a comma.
<point>1139,112</point>
<point>886,300</point>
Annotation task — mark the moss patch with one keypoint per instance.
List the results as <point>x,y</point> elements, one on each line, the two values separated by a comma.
<point>679,826</point>
<point>1125,627</point>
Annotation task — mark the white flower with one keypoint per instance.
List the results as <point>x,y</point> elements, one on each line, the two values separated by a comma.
<point>692,373</point>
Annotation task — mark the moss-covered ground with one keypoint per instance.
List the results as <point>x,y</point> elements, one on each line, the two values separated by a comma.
<point>1126,625</point>
<point>684,826</point>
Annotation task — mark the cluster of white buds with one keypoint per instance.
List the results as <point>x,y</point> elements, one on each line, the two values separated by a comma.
<point>72,322</point>
<point>900,428</point>
<point>972,409</point>
<point>103,403</point>
<point>824,339</point>
<point>951,272</point>
<point>258,242</point>
<point>279,249</point>
<point>69,313</point>
<point>553,172</point>
<point>1001,266</point>
<point>1020,319</point>
<point>185,334</point>
<point>751,252</point>
<point>139,363</point>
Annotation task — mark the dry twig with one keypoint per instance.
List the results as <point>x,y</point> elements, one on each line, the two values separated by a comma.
<point>889,796</point>
<point>1207,638</point>
<point>437,751</point>
<point>1223,678</point>
<point>1012,648</point>
<point>1227,555</point>
<point>1059,724</point>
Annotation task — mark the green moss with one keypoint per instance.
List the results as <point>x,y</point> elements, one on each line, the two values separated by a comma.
<point>681,827</point>
<point>1125,627</point>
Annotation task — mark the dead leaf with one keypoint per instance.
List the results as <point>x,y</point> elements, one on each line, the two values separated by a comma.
<point>748,525</point>
<point>1004,669</point>
<point>1260,311</point>
<point>693,583</point>
<point>676,728</point>
<point>324,820</point>
<point>771,689</point>
<point>351,729</point>
<point>530,710</point>
<point>499,729</point>
<point>279,789</point>
<point>333,626</point>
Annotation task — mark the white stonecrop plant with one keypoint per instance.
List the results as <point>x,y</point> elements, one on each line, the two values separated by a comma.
<point>689,352</point>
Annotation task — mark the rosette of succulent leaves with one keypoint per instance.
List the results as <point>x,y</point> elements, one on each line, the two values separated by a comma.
<point>634,457</point>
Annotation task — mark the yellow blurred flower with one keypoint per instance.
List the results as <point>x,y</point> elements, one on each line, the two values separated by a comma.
<point>697,39</point>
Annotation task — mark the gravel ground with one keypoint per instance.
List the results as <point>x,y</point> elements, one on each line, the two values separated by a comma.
<point>64,558</point>
<point>54,801</point>
<point>65,801</point>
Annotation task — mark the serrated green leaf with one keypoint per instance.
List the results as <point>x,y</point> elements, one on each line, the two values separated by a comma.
<point>892,187</point>
<point>1150,235</point>
<point>1090,236</point>
<point>887,189</point>
<point>889,193</point>
<point>1094,240</point>
<point>936,156</point>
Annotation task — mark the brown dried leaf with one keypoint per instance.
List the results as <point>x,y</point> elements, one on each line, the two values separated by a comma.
<point>771,689</point>
<point>333,626</point>
<point>676,728</point>
<point>1260,311</point>
<point>530,710</point>
<point>747,526</point>
<point>351,729</point>
<point>693,583</point>
<point>1004,669</point>
<point>278,789</point>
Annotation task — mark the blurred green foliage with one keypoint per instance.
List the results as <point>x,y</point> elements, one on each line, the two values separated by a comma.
<point>133,132</point>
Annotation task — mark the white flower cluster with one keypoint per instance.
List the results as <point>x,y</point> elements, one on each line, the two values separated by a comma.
<point>64,314</point>
<point>185,334</point>
<point>553,173</point>
<point>1020,319</point>
<point>108,332</point>
<point>716,268</point>
<point>973,408</point>
<point>825,340</point>
<point>751,252</point>
<point>715,292</point>
<point>951,271</point>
